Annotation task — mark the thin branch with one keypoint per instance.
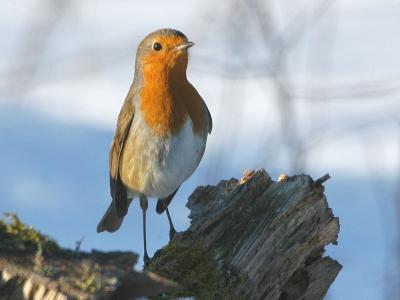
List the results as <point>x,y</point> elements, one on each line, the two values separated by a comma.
<point>321,180</point>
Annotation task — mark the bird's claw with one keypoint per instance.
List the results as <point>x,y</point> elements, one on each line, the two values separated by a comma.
<point>172,233</point>
<point>146,260</point>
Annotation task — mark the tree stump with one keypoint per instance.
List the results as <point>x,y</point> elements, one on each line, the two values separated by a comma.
<point>248,239</point>
<point>254,239</point>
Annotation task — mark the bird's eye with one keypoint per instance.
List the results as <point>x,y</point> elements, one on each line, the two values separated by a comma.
<point>157,46</point>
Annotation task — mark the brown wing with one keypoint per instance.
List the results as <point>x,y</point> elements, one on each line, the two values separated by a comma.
<point>118,190</point>
<point>210,124</point>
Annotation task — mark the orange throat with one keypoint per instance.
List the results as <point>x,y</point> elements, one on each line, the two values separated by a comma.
<point>163,110</point>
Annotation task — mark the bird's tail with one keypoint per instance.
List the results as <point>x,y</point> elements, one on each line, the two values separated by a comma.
<point>110,221</point>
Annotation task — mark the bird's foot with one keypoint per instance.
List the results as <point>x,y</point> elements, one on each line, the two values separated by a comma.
<point>146,260</point>
<point>172,233</point>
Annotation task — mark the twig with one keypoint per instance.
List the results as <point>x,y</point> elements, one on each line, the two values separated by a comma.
<point>321,180</point>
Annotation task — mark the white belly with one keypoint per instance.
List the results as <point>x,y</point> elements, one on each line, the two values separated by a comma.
<point>162,163</point>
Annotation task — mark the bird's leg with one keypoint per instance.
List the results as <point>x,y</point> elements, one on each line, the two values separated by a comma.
<point>172,230</point>
<point>144,204</point>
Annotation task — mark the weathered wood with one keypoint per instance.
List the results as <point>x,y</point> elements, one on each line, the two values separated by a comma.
<point>250,239</point>
<point>321,180</point>
<point>19,283</point>
<point>256,238</point>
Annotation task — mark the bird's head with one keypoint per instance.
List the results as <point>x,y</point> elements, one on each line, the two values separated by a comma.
<point>164,50</point>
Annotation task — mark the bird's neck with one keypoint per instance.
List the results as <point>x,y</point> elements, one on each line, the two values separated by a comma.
<point>163,98</point>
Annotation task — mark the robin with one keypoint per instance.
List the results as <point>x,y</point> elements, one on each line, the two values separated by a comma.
<point>161,132</point>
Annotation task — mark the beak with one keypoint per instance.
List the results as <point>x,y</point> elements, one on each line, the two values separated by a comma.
<point>184,46</point>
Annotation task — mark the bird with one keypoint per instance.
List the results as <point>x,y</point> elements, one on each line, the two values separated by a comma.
<point>161,131</point>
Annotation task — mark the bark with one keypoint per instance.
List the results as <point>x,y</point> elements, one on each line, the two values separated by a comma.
<point>249,239</point>
<point>17,283</point>
<point>254,239</point>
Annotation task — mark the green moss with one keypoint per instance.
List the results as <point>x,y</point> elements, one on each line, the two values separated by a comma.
<point>33,251</point>
<point>15,235</point>
<point>194,269</point>
<point>89,280</point>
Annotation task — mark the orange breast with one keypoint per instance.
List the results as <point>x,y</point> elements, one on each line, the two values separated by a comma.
<point>167,102</point>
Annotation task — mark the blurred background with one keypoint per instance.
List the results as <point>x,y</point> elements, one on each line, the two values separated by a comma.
<point>293,87</point>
